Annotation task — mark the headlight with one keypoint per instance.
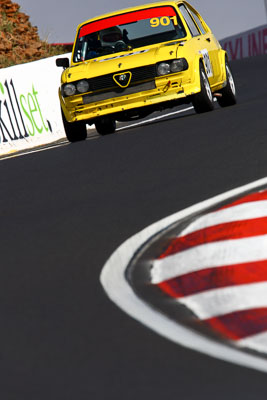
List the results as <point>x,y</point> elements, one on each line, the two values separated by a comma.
<point>172,66</point>
<point>179,65</point>
<point>82,86</point>
<point>164,68</point>
<point>69,89</point>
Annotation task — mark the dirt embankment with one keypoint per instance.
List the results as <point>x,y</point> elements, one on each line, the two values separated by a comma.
<point>19,40</point>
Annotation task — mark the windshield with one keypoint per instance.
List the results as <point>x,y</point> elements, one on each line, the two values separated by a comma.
<point>128,31</point>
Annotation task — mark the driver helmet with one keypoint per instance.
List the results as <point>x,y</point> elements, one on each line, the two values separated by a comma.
<point>110,36</point>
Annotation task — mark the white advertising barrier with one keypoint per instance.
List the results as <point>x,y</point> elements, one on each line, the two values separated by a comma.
<point>247,44</point>
<point>30,113</point>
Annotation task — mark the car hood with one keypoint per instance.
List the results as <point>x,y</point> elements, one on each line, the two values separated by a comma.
<point>122,61</point>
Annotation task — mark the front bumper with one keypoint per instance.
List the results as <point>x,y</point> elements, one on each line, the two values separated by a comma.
<point>95,105</point>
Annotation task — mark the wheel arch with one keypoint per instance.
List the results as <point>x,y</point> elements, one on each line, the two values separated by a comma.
<point>197,62</point>
<point>64,109</point>
<point>223,57</point>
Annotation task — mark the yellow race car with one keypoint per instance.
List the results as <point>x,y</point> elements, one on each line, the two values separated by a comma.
<point>130,63</point>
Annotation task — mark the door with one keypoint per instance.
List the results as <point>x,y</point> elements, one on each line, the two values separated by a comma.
<point>207,45</point>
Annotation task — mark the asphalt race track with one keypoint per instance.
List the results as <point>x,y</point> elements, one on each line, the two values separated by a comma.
<point>65,210</point>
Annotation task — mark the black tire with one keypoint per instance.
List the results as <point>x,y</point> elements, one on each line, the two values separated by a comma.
<point>75,131</point>
<point>105,126</point>
<point>228,93</point>
<point>203,101</point>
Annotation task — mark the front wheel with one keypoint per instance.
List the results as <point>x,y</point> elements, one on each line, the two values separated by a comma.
<point>75,131</point>
<point>203,101</point>
<point>228,93</point>
<point>105,126</point>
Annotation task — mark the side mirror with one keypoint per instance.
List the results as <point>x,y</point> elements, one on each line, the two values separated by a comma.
<point>63,62</point>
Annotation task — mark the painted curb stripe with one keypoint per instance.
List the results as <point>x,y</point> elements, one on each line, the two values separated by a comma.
<point>214,278</point>
<point>256,342</point>
<point>257,209</point>
<point>259,196</point>
<point>227,231</point>
<point>238,325</point>
<point>119,290</point>
<point>214,303</point>
<point>231,299</point>
<point>210,255</point>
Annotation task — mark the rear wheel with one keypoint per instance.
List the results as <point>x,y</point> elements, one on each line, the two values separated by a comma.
<point>75,131</point>
<point>105,126</point>
<point>203,101</point>
<point>228,93</point>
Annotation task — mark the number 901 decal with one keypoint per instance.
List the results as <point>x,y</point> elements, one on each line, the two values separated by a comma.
<point>164,21</point>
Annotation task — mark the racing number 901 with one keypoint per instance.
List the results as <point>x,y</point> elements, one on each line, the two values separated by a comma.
<point>164,21</point>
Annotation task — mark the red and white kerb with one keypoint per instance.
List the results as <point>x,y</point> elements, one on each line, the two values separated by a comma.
<point>217,267</point>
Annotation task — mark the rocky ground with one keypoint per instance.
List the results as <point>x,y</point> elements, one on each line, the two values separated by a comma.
<point>19,40</point>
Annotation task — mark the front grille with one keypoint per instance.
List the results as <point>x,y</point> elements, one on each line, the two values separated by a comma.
<point>118,92</point>
<point>140,74</point>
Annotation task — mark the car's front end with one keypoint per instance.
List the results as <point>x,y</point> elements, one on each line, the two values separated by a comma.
<point>119,85</point>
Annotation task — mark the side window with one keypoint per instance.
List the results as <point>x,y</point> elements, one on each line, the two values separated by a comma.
<point>198,22</point>
<point>190,22</point>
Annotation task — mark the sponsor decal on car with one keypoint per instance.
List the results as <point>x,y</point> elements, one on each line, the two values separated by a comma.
<point>207,62</point>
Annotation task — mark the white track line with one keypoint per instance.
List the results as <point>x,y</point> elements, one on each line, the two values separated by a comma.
<point>154,119</point>
<point>24,153</point>
<point>27,152</point>
<point>121,293</point>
